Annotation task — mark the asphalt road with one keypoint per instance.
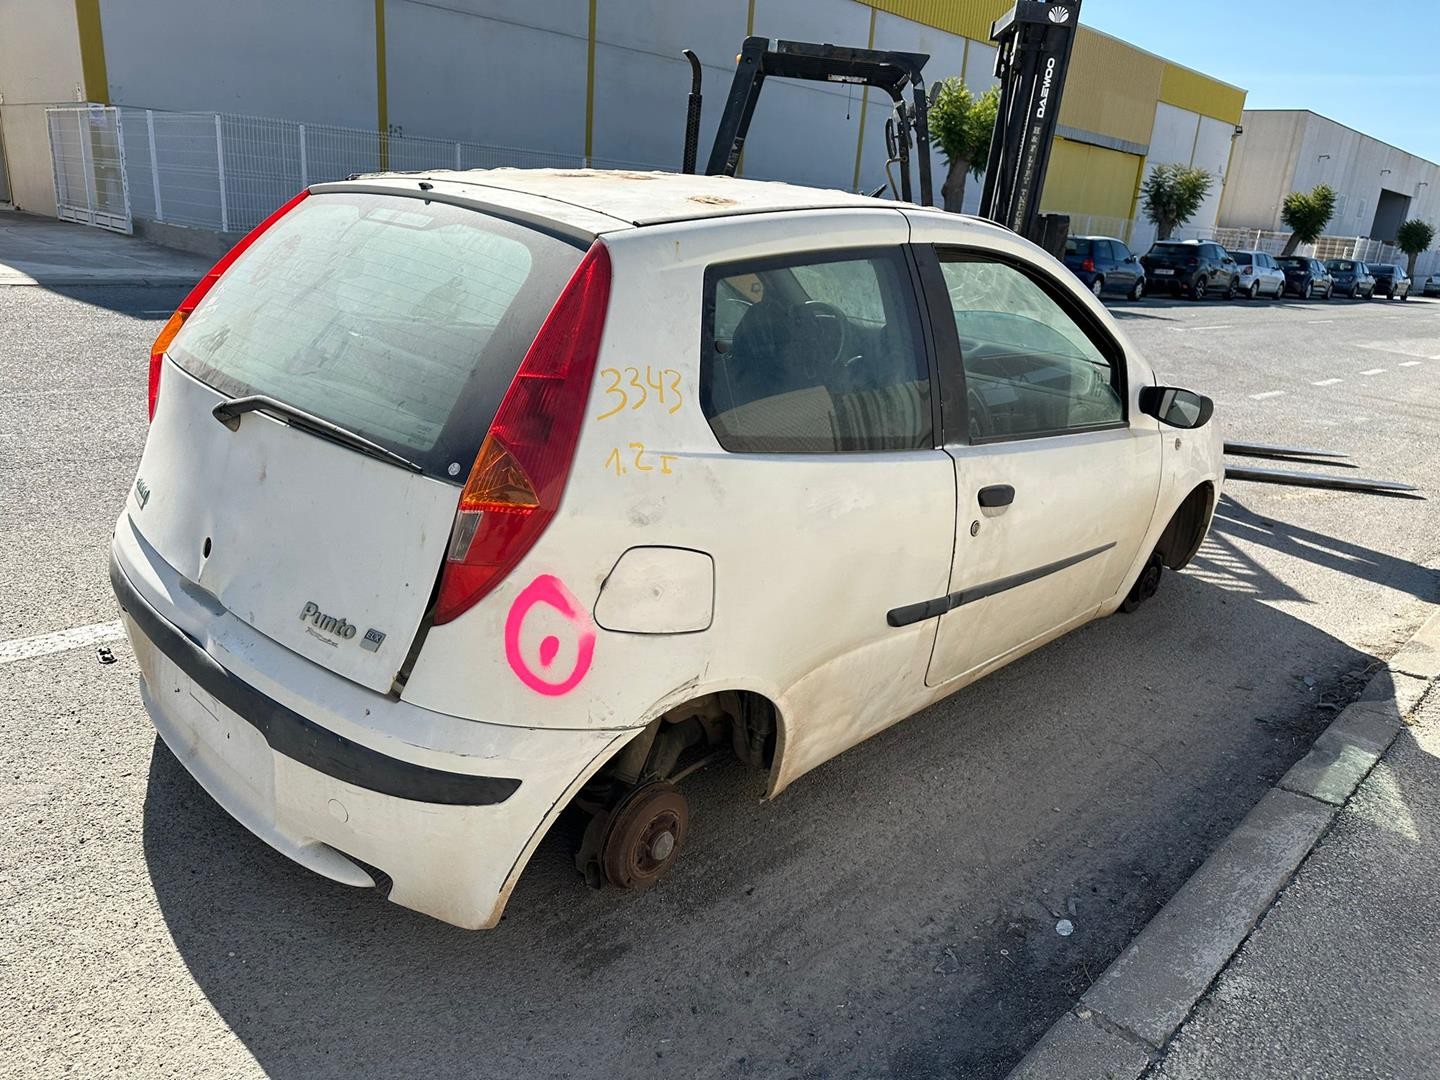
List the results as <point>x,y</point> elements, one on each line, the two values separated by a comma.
<point>892,914</point>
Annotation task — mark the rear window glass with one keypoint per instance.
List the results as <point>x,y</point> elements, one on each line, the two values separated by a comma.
<point>1343,265</point>
<point>1075,246</point>
<point>400,319</point>
<point>1174,249</point>
<point>1295,262</point>
<point>1241,257</point>
<point>1382,268</point>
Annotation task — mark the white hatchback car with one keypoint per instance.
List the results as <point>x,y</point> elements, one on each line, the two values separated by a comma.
<point>1260,274</point>
<point>470,497</point>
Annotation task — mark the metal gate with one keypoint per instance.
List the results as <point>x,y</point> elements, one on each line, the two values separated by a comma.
<point>87,148</point>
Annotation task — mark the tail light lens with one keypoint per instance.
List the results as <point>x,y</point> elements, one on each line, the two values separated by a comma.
<point>1088,265</point>
<point>176,321</point>
<point>1248,270</point>
<point>1192,261</point>
<point>519,475</point>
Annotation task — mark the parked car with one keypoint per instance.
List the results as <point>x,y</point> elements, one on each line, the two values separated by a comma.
<point>1431,286</point>
<point>1306,277</point>
<point>1391,280</point>
<point>438,531</point>
<point>1259,274</point>
<point>1105,264</point>
<point>1352,277</point>
<point>1193,268</point>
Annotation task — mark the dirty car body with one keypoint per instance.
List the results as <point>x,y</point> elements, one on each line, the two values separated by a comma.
<point>472,497</point>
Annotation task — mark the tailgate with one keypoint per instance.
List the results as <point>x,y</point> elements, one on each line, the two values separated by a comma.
<point>383,330</point>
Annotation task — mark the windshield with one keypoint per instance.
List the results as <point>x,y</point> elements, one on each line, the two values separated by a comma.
<point>400,319</point>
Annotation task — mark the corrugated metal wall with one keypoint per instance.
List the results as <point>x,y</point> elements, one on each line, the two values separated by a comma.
<point>1090,180</point>
<point>969,18</point>
<point>1201,94</point>
<point>1111,89</point>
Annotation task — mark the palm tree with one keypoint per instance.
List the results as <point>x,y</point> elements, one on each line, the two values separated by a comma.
<point>1172,194</point>
<point>962,124</point>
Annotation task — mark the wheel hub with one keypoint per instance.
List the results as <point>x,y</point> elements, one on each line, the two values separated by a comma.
<point>644,836</point>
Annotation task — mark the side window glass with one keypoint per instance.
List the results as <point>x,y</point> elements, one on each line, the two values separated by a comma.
<point>818,354</point>
<point>1121,251</point>
<point>1029,368</point>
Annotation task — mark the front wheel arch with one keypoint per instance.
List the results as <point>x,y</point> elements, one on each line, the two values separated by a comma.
<point>1187,527</point>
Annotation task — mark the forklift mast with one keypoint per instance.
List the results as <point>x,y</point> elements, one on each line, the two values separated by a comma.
<point>1034,39</point>
<point>888,71</point>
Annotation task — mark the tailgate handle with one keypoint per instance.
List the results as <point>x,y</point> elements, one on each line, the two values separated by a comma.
<point>997,495</point>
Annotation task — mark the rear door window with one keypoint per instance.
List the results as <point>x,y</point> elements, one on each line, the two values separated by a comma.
<point>401,319</point>
<point>820,353</point>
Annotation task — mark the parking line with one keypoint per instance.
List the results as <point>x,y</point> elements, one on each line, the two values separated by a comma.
<point>1409,363</point>
<point>1312,322</point>
<point>77,637</point>
<point>1374,371</point>
<point>1267,394</point>
<point>1327,382</point>
<point>1217,326</point>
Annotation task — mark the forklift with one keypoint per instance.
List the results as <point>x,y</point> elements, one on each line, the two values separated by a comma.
<point>1033,40</point>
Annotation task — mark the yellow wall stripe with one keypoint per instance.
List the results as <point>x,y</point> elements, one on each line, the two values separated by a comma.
<point>92,51</point>
<point>590,89</point>
<point>382,90</point>
<point>1199,93</point>
<point>864,105</point>
<point>969,18</point>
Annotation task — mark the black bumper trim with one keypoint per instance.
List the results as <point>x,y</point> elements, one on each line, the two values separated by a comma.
<point>297,736</point>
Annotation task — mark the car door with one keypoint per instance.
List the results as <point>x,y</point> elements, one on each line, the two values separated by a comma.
<point>1056,473</point>
<point>1127,268</point>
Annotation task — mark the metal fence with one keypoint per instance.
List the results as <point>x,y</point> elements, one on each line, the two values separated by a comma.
<point>227,172</point>
<point>87,152</point>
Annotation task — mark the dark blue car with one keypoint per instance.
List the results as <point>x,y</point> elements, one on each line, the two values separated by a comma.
<point>1105,264</point>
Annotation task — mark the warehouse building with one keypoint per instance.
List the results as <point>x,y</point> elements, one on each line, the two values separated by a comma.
<point>563,82</point>
<point>1378,186</point>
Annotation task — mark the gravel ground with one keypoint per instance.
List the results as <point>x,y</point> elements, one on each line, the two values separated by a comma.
<point>891,915</point>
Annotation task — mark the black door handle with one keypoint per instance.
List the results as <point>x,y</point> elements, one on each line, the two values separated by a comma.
<point>997,495</point>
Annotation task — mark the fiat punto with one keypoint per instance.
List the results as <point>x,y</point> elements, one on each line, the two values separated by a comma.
<point>470,498</point>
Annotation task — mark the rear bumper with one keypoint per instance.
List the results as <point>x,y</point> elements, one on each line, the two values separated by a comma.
<point>445,825</point>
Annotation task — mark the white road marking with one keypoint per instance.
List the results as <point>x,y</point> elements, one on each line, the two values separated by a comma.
<point>1313,322</point>
<point>77,637</point>
<point>1374,371</point>
<point>1217,326</point>
<point>1404,348</point>
<point>1327,382</point>
<point>1267,394</point>
<point>1410,363</point>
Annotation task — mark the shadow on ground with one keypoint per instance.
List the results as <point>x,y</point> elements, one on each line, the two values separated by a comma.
<point>893,914</point>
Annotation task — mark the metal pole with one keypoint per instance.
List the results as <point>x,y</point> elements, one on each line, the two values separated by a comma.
<point>304,164</point>
<point>457,157</point>
<point>154,163</point>
<point>220,170</point>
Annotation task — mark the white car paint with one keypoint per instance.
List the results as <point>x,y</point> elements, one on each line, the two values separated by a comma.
<point>673,569</point>
<point>1260,275</point>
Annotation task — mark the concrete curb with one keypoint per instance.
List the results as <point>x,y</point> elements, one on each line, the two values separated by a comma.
<point>1130,1013</point>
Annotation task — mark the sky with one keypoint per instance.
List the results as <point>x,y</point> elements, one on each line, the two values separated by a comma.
<point>1372,65</point>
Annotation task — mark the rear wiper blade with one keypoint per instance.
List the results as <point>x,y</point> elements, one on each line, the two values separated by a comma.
<point>230,412</point>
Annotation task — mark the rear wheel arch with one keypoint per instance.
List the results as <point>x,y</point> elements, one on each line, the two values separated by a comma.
<point>1187,527</point>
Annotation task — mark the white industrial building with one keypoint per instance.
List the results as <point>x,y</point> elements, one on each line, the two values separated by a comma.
<point>1284,150</point>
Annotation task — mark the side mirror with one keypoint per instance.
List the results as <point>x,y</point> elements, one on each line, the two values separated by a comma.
<point>1176,407</point>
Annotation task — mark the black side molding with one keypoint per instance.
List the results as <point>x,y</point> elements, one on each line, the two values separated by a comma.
<point>929,609</point>
<point>300,738</point>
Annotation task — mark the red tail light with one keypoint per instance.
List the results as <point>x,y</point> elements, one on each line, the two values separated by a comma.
<point>177,320</point>
<point>1088,266</point>
<point>519,475</point>
<point>1192,261</point>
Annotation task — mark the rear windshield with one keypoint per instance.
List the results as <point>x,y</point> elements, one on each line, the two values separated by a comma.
<point>1241,257</point>
<point>1077,246</point>
<point>1294,262</point>
<point>400,319</point>
<point>1343,265</point>
<point>1381,268</point>
<point>1174,249</point>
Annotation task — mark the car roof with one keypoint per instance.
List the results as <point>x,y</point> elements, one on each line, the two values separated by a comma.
<point>652,198</point>
<point>1087,236</point>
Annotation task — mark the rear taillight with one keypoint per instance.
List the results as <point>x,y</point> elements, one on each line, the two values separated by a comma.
<point>1192,261</point>
<point>1248,270</point>
<point>177,320</point>
<point>1088,266</point>
<point>519,475</point>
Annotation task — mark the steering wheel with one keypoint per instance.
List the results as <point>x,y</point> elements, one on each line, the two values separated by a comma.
<point>977,415</point>
<point>820,313</point>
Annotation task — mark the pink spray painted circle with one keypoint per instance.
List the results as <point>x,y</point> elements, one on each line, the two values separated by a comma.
<point>550,591</point>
